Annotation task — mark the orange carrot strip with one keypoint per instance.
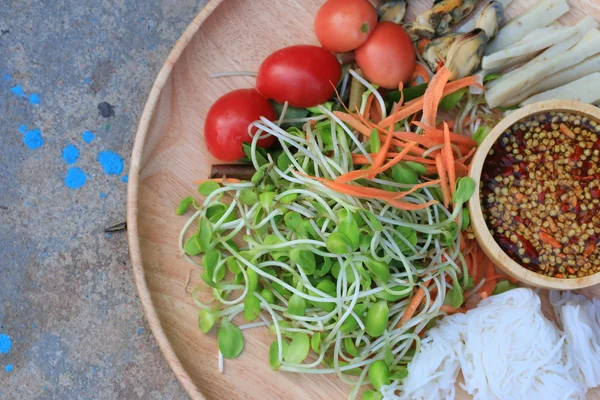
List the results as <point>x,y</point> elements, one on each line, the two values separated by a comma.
<point>439,134</point>
<point>416,187</point>
<point>226,180</point>
<point>421,44</point>
<point>380,157</point>
<point>359,159</point>
<point>448,158</point>
<point>368,106</point>
<point>453,86</point>
<point>451,310</point>
<point>370,173</point>
<point>444,183</point>
<point>433,96</point>
<point>402,205</point>
<point>413,305</point>
<point>375,112</point>
<point>353,122</point>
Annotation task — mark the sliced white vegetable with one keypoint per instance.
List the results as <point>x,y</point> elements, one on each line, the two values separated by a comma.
<point>586,89</point>
<point>583,26</point>
<point>470,24</point>
<point>532,43</point>
<point>542,14</point>
<point>534,72</point>
<point>586,67</point>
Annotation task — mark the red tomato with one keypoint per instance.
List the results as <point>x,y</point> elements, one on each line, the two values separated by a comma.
<point>304,76</point>
<point>344,25</point>
<point>388,57</point>
<point>226,124</point>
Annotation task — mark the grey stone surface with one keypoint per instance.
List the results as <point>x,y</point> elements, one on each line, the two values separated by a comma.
<point>67,296</point>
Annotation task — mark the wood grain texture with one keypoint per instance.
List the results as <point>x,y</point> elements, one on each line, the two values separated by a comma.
<point>169,154</point>
<point>484,237</point>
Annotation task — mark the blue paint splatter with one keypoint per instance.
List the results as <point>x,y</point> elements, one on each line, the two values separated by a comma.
<point>18,91</point>
<point>27,203</point>
<point>33,139</point>
<point>75,178</point>
<point>34,325</point>
<point>108,235</point>
<point>34,99</point>
<point>7,77</point>
<point>87,80</point>
<point>70,154</point>
<point>125,178</point>
<point>88,136</point>
<point>94,370</point>
<point>5,343</point>
<point>22,128</point>
<point>102,195</point>
<point>8,368</point>
<point>111,162</point>
<point>140,330</point>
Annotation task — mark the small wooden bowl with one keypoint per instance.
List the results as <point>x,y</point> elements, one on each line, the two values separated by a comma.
<point>482,233</point>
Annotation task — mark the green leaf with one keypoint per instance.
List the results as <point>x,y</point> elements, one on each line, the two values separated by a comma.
<point>326,286</point>
<point>205,235</point>
<point>371,395</point>
<point>349,228</point>
<point>184,205</point>
<point>379,374</point>
<point>454,297</point>
<point>466,219</point>
<point>377,318</point>
<point>373,220</point>
<point>259,174</point>
<point>315,110</point>
<point>419,168</point>
<point>266,199</point>
<point>191,246</point>
<point>292,220</point>
<point>289,198</point>
<point>274,353</point>
<point>481,133</point>
<point>248,197</point>
<point>504,286</point>
<point>283,325</point>
<point>291,112</point>
<point>296,306</point>
<point>230,338</point>
<point>208,187</point>
<point>268,296</point>
<point>207,319</point>
<point>365,240</point>
<point>465,187</point>
<point>388,356</point>
<point>261,154</point>
<point>491,77</point>
<point>252,281</point>
<point>338,243</point>
<point>283,162</point>
<point>305,260</point>
<point>299,348</point>
<point>375,141</point>
<point>379,269</point>
<point>350,347</point>
<point>403,174</point>
<point>315,342</point>
<point>410,93</point>
<point>350,323</point>
<point>233,265</point>
<point>393,297</point>
<point>471,283</point>
<point>251,308</point>
<point>451,100</point>
<point>399,373</point>
<point>210,261</point>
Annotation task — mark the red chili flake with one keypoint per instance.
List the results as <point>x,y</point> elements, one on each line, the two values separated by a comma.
<point>595,192</point>
<point>576,154</point>
<point>542,197</point>
<point>530,251</point>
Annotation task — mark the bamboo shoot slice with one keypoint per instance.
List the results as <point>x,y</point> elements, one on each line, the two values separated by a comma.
<point>534,72</point>
<point>584,68</point>
<point>542,14</point>
<point>532,43</point>
<point>586,89</point>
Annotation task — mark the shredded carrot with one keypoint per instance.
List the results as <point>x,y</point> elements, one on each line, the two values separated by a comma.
<point>448,158</point>
<point>359,159</point>
<point>376,112</point>
<point>439,134</point>
<point>353,122</point>
<point>368,104</point>
<point>413,305</point>
<point>224,180</point>
<point>380,157</point>
<point>443,179</point>
<point>416,187</point>
<point>451,310</point>
<point>402,205</point>
<point>419,72</point>
<point>433,95</point>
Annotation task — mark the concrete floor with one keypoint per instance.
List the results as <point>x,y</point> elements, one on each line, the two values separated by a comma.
<point>71,325</point>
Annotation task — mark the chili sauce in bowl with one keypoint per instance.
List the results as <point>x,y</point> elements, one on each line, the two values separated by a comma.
<point>540,193</point>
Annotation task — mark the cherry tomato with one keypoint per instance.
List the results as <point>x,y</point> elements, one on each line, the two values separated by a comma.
<point>226,124</point>
<point>304,76</point>
<point>388,57</point>
<point>344,25</point>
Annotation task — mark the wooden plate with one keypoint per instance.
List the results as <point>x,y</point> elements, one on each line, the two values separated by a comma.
<point>169,154</point>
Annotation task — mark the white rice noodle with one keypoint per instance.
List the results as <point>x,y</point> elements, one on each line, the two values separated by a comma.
<point>580,319</point>
<point>505,348</point>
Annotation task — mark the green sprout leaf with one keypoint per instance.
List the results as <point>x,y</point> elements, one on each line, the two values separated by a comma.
<point>379,374</point>
<point>503,286</point>
<point>207,319</point>
<point>274,353</point>
<point>338,243</point>
<point>230,338</point>
<point>191,246</point>
<point>208,187</point>
<point>299,348</point>
<point>296,305</point>
<point>251,308</point>
<point>377,318</point>
<point>315,342</point>
<point>184,205</point>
